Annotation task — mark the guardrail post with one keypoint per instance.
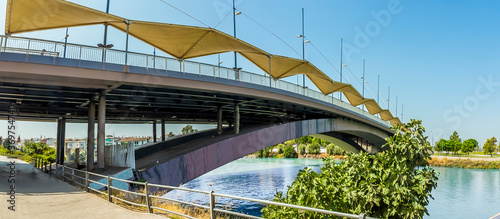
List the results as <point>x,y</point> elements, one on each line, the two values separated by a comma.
<point>72,175</point>
<point>50,168</point>
<point>212,205</point>
<point>110,199</point>
<point>62,173</point>
<point>148,199</point>
<point>57,170</point>
<point>362,216</point>
<point>87,181</point>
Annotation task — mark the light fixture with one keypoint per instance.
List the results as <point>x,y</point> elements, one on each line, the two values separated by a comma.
<point>299,36</point>
<point>307,41</point>
<point>109,46</point>
<point>238,13</point>
<point>220,62</point>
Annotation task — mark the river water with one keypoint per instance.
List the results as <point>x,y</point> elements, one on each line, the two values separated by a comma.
<point>461,193</point>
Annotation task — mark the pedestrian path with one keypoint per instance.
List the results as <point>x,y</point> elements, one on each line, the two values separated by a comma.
<point>38,195</point>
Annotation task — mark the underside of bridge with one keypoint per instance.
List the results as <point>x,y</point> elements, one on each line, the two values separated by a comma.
<point>184,158</point>
<point>56,89</point>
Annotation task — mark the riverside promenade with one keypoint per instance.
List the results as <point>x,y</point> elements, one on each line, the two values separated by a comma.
<point>39,195</point>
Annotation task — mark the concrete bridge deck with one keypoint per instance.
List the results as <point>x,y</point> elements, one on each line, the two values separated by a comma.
<point>38,195</point>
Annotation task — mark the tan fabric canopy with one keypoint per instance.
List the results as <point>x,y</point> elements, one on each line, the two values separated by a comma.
<point>179,41</point>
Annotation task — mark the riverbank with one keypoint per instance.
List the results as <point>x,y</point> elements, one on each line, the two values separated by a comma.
<point>307,156</point>
<point>465,162</point>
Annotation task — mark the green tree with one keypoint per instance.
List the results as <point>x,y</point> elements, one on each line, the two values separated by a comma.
<point>170,134</point>
<point>440,145</point>
<point>302,149</point>
<point>188,129</point>
<point>384,185</point>
<point>469,145</point>
<point>455,137</point>
<point>490,146</point>
<point>281,148</point>
<point>454,145</point>
<point>313,148</point>
<point>289,152</point>
<point>6,144</point>
<point>332,149</point>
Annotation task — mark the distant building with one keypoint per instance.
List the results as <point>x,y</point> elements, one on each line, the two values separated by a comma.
<point>137,141</point>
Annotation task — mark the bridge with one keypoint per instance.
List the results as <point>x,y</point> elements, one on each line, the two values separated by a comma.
<point>71,83</point>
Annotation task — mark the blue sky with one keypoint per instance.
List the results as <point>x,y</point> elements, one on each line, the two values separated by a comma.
<point>441,58</point>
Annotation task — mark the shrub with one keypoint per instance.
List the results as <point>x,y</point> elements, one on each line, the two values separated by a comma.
<point>383,185</point>
<point>281,148</point>
<point>290,152</point>
<point>302,149</point>
<point>313,148</point>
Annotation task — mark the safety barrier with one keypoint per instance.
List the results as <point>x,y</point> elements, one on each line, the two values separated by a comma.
<point>82,179</point>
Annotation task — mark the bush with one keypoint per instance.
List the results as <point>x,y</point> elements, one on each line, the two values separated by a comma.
<point>281,148</point>
<point>302,149</point>
<point>313,148</point>
<point>332,149</point>
<point>290,152</point>
<point>383,185</point>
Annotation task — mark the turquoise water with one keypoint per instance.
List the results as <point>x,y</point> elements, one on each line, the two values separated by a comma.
<point>461,193</point>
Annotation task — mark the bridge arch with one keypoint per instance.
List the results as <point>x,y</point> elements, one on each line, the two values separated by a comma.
<point>186,167</point>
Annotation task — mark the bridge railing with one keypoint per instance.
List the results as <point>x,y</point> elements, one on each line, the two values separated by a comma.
<point>152,201</point>
<point>30,46</point>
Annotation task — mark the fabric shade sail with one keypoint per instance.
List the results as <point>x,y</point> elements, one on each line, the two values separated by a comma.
<point>179,41</point>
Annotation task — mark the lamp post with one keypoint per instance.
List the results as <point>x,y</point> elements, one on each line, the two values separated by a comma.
<point>388,98</point>
<point>363,92</point>
<point>378,89</point>
<point>105,41</point>
<point>65,42</point>
<point>236,69</point>
<point>341,64</point>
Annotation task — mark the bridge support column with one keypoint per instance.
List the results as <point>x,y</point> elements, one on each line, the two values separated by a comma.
<point>61,131</point>
<point>154,130</point>
<point>101,130</point>
<point>90,135</point>
<point>162,130</point>
<point>219,120</point>
<point>236,119</point>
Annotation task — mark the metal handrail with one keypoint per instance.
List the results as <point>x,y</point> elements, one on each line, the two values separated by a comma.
<point>211,207</point>
<point>54,49</point>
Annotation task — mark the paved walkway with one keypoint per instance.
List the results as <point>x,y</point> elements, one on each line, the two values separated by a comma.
<point>38,195</point>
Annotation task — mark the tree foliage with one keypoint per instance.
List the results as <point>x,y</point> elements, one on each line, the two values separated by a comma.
<point>332,149</point>
<point>469,145</point>
<point>188,129</point>
<point>289,152</point>
<point>313,148</point>
<point>455,137</point>
<point>490,146</point>
<point>302,149</point>
<point>39,149</point>
<point>384,185</point>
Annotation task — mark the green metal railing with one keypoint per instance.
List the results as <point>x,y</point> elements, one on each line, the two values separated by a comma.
<point>82,179</point>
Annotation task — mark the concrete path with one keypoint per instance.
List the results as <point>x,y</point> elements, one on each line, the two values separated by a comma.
<point>38,195</point>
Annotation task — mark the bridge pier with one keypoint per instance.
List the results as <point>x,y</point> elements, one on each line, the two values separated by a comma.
<point>219,120</point>
<point>101,130</point>
<point>163,130</point>
<point>154,130</point>
<point>61,131</point>
<point>236,119</point>
<point>90,135</point>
